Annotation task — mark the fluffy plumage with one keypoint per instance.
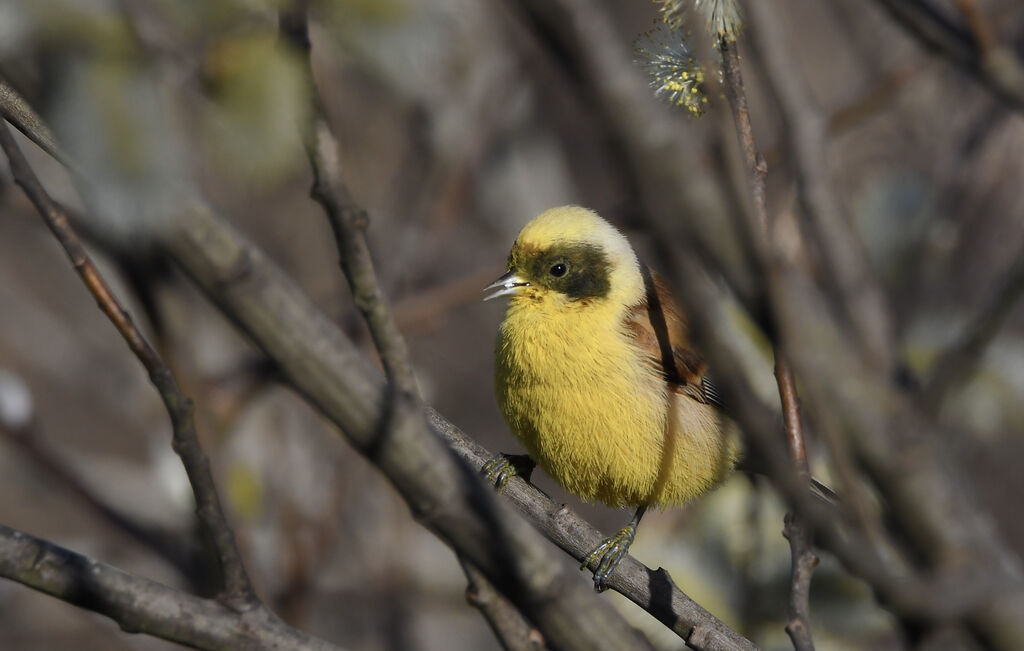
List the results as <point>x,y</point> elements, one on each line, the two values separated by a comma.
<point>595,374</point>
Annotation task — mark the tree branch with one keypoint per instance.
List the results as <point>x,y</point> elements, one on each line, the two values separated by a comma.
<point>957,364</point>
<point>139,605</point>
<point>980,28</point>
<point>838,246</point>
<point>347,218</point>
<point>998,68</point>
<point>509,626</point>
<point>237,591</point>
<point>803,558</point>
<point>173,547</point>
<point>893,442</point>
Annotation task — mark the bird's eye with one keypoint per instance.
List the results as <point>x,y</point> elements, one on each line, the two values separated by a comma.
<point>559,270</point>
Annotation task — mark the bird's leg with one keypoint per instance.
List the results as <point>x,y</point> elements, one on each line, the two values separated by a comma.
<point>503,467</point>
<point>607,555</point>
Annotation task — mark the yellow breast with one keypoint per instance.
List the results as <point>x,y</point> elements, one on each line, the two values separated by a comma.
<point>579,397</point>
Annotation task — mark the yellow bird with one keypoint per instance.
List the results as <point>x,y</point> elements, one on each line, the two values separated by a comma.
<point>596,377</point>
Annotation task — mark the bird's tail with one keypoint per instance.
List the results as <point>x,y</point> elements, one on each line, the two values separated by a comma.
<point>820,490</point>
<point>817,487</point>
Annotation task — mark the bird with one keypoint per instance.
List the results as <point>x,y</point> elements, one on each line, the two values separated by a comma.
<point>597,377</point>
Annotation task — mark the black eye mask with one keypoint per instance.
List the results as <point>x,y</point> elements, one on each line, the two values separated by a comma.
<point>579,271</point>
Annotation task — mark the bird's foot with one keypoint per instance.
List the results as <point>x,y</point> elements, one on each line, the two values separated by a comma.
<point>606,556</point>
<point>503,467</point>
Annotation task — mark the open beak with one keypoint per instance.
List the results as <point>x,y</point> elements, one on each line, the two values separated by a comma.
<point>506,285</point>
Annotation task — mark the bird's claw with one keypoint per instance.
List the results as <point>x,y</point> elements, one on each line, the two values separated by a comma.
<point>606,556</point>
<point>503,467</point>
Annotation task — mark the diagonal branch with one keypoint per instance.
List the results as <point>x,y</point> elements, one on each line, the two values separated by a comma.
<point>958,362</point>
<point>347,218</point>
<point>139,605</point>
<point>511,629</point>
<point>979,26</point>
<point>839,248</point>
<point>998,68</point>
<point>173,547</point>
<point>237,591</point>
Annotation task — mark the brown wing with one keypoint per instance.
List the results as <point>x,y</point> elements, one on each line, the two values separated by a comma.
<point>660,328</point>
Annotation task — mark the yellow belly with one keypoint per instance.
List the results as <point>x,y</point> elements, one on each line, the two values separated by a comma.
<point>577,395</point>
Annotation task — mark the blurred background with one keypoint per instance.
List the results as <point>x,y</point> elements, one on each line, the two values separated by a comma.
<point>458,120</point>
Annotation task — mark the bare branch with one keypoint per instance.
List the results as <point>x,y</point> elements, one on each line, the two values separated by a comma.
<point>803,558</point>
<point>512,630</point>
<point>347,218</point>
<point>348,222</point>
<point>737,98</point>
<point>927,497</point>
<point>139,605</point>
<point>839,248</point>
<point>895,444</point>
<point>980,28</point>
<point>929,597</point>
<point>957,364</point>
<point>183,554</point>
<point>237,589</point>
<point>997,67</point>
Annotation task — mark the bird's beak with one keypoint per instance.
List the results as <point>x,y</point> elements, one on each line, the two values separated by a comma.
<point>506,285</point>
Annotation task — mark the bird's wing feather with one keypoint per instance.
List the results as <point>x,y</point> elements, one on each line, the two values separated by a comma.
<point>660,329</point>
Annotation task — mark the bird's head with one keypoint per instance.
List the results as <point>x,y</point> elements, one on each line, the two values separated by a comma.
<point>570,255</point>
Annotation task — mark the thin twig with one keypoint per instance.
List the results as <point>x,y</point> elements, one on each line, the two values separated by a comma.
<point>139,605</point>
<point>791,416</point>
<point>980,27</point>
<point>892,443</point>
<point>756,166</point>
<point>171,546</point>
<point>926,597</point>
<point>237,591</point>
<point>347,218</point>
<point>803,558</point>
<point>839,249</point>
<point>998,68</point>
<point>508,624</point>
<point>861,298</point>
<point>957,364</point>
